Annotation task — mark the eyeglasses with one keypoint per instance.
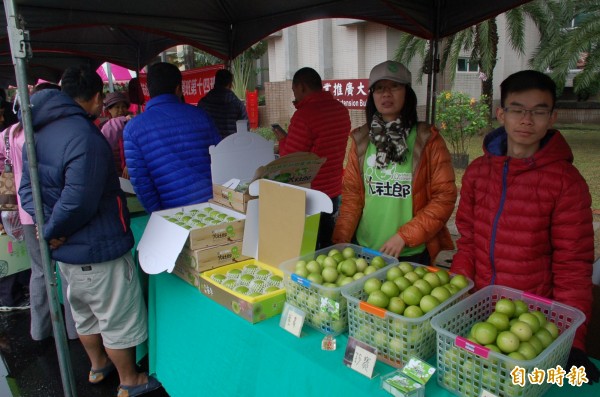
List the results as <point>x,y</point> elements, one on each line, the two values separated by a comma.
<point>380,89</point>
<point>519,113</point>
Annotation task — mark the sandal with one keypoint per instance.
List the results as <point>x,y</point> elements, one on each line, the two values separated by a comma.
<point>98,375</point>
<point>138,390</point>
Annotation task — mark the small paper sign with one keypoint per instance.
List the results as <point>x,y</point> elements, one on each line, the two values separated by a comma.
<point>360,357</point>
<point>363,361</point>
<point>292,319</point>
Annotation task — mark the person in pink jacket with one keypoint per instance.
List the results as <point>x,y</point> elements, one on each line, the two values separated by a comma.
<point>524,216</point>
<point>117,105</point>
<point>41,323</point>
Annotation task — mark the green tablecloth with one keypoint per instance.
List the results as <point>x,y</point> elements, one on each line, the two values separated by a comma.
<point>138,224</point>
<point>197,347</point>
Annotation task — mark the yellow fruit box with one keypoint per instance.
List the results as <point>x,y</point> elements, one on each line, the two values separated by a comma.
<point>467,368</point>
<point>168,231</point>
<point>270,241</point>
<point>191,263</point>
<point>244,157</point>
<point>250,289</point>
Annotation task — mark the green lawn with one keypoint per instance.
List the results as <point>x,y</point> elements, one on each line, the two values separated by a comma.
<point>585,143</point>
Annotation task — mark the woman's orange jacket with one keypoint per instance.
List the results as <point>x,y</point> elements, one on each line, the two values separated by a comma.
<point>434,192</point>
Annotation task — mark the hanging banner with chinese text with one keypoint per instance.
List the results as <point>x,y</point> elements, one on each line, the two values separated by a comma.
<point>352,93</point>
<point>196,83</point>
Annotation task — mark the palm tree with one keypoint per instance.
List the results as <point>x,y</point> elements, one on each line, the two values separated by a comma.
<point>568,48</point>
<point>481,41</point>
<point>244,69</point>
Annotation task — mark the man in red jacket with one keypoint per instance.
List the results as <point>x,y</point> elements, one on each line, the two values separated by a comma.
<point>524,214</point>
<point>320,125</point>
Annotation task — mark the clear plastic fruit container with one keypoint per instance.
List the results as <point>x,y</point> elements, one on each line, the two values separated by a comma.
<point>467,368</point>
<point>395,336</point>
<point>325,307</point>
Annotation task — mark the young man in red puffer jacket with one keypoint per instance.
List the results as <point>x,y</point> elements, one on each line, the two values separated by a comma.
<point>524,215</point>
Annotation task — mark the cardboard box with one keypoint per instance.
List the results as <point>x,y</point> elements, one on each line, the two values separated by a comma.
<point>163,239</point>
<point>13,256</point>
<point>242,158</point>
<point>187,274</point>
<point>281,224</point>
<point>194,262</point>
<point>252,309</point>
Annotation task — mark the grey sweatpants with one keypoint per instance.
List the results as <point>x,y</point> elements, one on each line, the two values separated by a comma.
<point>41,323</point>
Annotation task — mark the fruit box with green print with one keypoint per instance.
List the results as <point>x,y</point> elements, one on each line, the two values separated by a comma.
<point>13,256</point>
<point>250,289</point>
<point>242,158</point>
<point>191,263</point>
<point>194,227</point>
<point>281,224</point>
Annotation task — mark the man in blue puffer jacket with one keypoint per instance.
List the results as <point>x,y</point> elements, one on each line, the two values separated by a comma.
<point>166,147</point>
<point>87,227</point>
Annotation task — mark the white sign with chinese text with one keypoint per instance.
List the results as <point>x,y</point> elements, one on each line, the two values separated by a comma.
<point>292,319</point>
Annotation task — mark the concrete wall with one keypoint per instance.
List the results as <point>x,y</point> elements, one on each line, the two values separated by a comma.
<point>345,48</point>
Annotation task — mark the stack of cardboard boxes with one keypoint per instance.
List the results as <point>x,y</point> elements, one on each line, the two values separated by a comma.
<point>172,242</point>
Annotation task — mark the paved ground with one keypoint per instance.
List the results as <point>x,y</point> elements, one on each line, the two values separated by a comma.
<point>35,368</point>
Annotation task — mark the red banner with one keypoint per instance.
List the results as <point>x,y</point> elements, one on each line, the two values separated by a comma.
<point>196,83</point>
<point>252,108</point>
<point>352,93</point>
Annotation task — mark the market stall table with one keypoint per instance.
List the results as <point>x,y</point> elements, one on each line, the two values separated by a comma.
<point>198,347</point>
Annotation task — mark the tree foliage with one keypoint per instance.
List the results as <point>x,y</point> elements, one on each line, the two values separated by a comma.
<point>459,118</point>
<point>243,67</point>
<point>567,48</point>
<point>560,50</point>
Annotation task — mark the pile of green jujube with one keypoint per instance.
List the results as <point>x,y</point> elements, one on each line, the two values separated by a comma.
<point>251,280</point>
<point>196,219</point>
<point>337,268</point>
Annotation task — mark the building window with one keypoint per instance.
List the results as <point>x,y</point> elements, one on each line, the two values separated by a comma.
<point>577,21</point>
<point>465,65</point>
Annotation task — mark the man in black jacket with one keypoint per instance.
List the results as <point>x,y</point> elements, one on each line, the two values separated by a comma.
<point>222,105</point>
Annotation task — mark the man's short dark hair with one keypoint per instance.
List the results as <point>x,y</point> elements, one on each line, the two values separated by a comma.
<point>81,82</point>
<point>308,77</point>
<point>526,80</point>
<point>223,78</point>
<point>163,78</point>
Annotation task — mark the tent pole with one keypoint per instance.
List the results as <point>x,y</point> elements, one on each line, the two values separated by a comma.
<point>19,52</point>
<point>434,73</point>
<point>429,70</point>
<point>111,85</point>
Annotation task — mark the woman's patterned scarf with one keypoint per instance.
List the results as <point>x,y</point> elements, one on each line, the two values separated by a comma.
<point>390,140</point>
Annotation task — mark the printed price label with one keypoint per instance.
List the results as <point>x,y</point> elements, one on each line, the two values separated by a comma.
<point>292,319</point>
<point>363,362</point>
